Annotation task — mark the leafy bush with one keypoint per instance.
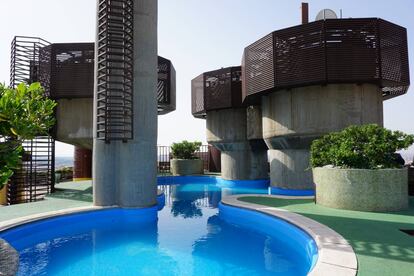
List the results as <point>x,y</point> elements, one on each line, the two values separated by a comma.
<point>24,113</point>
<point>185,149</point>
<point>360,147</point>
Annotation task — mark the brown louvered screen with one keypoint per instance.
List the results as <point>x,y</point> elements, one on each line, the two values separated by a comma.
<point>166,86</point>
<point>367,50</point>
<point>293,48</point>
<point>197,97</point>
<point>352,50</point>
<point>394,62</point>
<point>72,70</point>
<point>215,90</point>
<point>258,70</point>
<point>114,93</point>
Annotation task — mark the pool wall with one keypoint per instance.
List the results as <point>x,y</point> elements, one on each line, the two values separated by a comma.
<point>335,254</point>
<point>204,179</point>
<point>20,236</point>
<point>297,240</point>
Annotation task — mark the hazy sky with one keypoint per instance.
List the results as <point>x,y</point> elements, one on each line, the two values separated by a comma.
<point>198,36</point>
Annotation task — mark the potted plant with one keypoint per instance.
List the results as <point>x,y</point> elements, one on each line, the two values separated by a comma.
<point>358,169</point>
<point>184,161</point>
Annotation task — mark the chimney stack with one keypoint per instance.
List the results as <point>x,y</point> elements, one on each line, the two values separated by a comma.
<point>305,13</point>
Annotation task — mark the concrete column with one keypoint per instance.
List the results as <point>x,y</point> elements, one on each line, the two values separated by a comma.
<point>125,173</point>
<point>82,169</point>
<point>293,118</point>
<point>227,131</point>
<point>138,162</point>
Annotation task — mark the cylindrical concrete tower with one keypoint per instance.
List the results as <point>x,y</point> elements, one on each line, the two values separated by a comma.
<point>125,104</point>
<point>320,77</point>
<point>217,97</point>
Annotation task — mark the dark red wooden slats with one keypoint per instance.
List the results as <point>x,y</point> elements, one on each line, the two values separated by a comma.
<point>197,97</point>
<point>166,86</point>
<point>217,89</point>
<point>72,70</point>
<point>352,50</point>
<point>299,55</point>
<point>394,59</point>
<point>367,50</point>
<point>258,70</point>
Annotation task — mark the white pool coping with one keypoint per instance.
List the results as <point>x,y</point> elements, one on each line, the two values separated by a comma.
<point>335,255</point>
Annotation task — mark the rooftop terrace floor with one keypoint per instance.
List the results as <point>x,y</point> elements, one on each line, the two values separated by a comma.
<point>381,248</point>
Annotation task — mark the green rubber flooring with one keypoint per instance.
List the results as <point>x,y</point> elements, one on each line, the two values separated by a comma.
<point>381,248</point>
<point>67,195</point>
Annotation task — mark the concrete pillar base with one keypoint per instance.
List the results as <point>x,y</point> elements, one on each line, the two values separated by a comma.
<point>244,164</point>
<point>290,169</point>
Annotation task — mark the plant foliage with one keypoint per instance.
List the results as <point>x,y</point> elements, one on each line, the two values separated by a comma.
<point>360,147</point>
<point>24,113</point>
<point>185,149</point>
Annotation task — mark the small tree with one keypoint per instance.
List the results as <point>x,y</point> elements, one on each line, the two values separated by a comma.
<point>360,147</point>
<point>24,113</point>
<point>185,149</point>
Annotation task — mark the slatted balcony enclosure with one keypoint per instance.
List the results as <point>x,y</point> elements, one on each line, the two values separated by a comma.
<point>166,87</point>
<point>114,92</point>
<point>34,178</point>
<point>214,90</point>
<point>356,50</point>
<point>27,59</point>
<point>70,71</point>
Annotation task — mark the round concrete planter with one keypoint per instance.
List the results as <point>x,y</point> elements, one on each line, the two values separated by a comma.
<point>187,166</point>
<point>362,190</point>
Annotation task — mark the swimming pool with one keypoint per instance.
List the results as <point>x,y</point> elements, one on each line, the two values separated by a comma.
<point>190,233</point>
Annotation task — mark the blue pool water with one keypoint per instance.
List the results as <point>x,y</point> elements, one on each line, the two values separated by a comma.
<point>192,234</point>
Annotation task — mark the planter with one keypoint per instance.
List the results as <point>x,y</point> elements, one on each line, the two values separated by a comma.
<point>187,166</point>
<point>3,196</point>
<point>362,190</point>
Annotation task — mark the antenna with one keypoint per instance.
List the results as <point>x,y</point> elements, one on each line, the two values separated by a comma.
<point>326,14</point>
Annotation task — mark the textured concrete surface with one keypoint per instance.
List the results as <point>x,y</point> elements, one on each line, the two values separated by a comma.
<point>187,167</point>
<point>130,181</point>
<point>293,118</point>
<point>244,164</point>
<point>320,109</point>
<point>227,130</point>
<point>362,190</point>
<point>290,169</point>
<point>335,255</point>
<point>380,246</point>
<point>74,121</point>
<point>9,259</point>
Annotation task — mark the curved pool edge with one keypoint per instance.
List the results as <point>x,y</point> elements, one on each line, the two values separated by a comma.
<point>335,255</point>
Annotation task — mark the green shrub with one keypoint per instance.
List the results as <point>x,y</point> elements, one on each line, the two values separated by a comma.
<point>24,113</point>
<point>185,150</point>
<point>360,147</point>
